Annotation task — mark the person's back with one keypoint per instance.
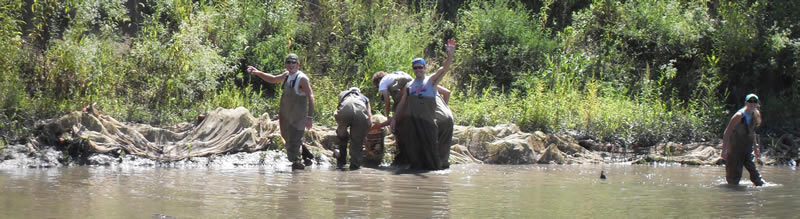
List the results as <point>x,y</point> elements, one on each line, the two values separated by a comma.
<point>394,84</point>
<point>354,113</point>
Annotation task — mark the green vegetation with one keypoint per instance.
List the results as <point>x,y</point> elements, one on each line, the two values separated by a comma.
<point>639,71</point>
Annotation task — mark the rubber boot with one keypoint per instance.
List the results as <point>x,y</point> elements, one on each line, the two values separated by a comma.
<point>297,165</point>
<point>307,155</point>
<point>342,159</point>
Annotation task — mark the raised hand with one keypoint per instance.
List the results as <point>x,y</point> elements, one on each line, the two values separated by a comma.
<point>451,46</point>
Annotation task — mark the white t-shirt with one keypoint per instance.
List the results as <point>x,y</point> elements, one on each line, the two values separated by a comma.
<point>294,81</point>
<point>386,81</point>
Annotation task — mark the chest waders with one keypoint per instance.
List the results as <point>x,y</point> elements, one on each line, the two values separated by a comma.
<point>418,134</point>
<point>444,125</point>
<point>293,112</point>
<point>741,155</point>
<point>352,114</point>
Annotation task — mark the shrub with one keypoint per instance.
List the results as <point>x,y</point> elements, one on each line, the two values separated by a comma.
<point>499,47</point>
<point>393,45</point>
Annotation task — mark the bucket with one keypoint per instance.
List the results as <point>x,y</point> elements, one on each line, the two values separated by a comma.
<point>373,147</point>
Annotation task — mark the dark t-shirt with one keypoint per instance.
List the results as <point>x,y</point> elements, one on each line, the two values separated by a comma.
<point>353,93</point>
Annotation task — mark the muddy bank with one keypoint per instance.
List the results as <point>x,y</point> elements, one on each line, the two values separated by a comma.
<point>233,137</point>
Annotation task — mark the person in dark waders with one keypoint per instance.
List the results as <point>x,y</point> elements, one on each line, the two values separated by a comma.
<point>296,109</point>
<point>739,143</point>
<point>353,112</point>
<point>423,123</point>
<point>390,87</point>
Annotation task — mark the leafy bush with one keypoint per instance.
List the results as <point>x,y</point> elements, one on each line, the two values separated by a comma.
<point>393,45</point>
<point>736,40</point>
<point>11,48</point>
<point>499,47</point>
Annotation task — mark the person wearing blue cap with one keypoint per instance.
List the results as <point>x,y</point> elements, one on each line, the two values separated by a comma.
<point>740,143</point>
<point>353,113</point>
<point>423,123</point>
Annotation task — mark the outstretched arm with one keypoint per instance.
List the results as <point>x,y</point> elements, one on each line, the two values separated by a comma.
<point>274,79</point>
<point>369,114</point>
<point>387,103</point>
<point>387,107</point>
<point>398,114</point>
<point>451,49</point>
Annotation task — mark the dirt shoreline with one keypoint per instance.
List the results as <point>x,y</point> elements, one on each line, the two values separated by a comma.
<point>235,137</point>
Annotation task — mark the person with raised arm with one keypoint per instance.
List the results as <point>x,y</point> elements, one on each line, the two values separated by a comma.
<point>423,122</point>
<point>296,108</point>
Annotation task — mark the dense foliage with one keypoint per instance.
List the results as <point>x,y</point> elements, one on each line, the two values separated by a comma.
<point>638,71</point>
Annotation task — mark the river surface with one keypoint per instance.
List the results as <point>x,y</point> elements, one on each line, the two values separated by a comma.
<point>463,191</point>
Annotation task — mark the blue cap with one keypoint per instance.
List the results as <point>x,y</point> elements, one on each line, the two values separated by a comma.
<point>418,61</point>
<point>749,96</point>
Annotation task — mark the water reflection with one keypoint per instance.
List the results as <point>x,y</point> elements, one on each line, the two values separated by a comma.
<point>464,191</point>
<point>288,194</point>
<point>420,195</point>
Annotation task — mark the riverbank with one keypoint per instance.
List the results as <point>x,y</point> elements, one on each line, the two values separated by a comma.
<point>235,137</point>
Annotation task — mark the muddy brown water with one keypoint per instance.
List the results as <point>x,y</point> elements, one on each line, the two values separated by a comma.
<point>463,191</point>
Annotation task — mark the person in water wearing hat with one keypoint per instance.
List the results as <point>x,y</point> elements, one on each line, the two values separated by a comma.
<point>353,112</point>
<point>423,122</point>
<point>296,108</point>
<point>739,143</point>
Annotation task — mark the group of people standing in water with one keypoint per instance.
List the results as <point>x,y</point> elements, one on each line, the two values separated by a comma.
<point>419,116</point>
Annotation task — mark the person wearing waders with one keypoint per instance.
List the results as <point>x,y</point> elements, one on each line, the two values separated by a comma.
<point>739,144</point>
<point>390,88</point>
<point>424,123</point>
<point>296,108</point>
<point>354,113</point>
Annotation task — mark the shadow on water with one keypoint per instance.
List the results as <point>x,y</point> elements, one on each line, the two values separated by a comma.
<point>746,186</point>
<point>731,187</point>
<point>412,172</point>
<point>395,170</point>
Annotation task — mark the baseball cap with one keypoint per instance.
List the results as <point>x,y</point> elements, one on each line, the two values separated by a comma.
<point>291,57</point>
<point>750,96</point>
<point>418,61</point>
